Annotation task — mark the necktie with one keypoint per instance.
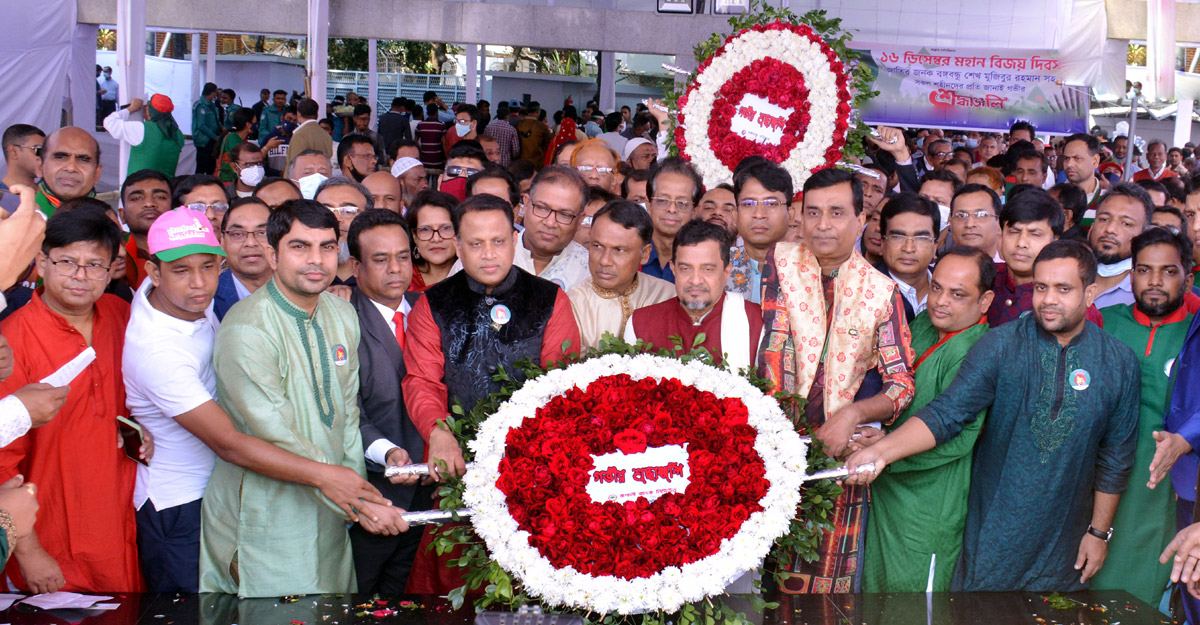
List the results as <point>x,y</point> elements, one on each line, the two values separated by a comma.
<point>398,318</point>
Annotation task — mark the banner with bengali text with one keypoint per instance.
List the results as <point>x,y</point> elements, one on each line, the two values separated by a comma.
<point>971,88</point>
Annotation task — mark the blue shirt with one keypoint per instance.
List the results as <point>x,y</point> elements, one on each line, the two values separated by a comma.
<point>654,268</point>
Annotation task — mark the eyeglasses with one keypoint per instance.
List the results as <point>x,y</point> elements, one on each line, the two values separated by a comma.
<point>663,203</point>
<point>542,211</point>
<point>237,236</point>
<point>769,204</point>
<point>249,164</point>
<point>201,207</point>
<point>458,171</point>
<point>370,157</point>
<point>587,169</point>
<point>425,233</point>
<point>68,269</point>
<point>901,239</point>
<point>979,214</point>
<point>348,210</point>
<point>36,149</point>
<point>587,220</point>
<point>942,154</point>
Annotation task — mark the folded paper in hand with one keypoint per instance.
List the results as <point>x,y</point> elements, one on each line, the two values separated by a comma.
<point>69,371</point>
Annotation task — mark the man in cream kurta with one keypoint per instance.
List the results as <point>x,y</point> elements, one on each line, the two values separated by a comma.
<point>605,301</point>
<point>600,311</point>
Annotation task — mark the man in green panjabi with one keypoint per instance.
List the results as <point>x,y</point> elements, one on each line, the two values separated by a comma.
<point>1050,466</point>
<point>919,504</point>
<point>1154,326</point>
<point>286,360</point>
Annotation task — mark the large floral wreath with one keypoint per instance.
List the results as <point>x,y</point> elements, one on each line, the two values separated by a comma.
<point>528,487</point>
<point>780,86</point>
<point>537,535</point>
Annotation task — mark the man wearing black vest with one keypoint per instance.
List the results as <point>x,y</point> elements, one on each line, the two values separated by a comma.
<point>463,329</point>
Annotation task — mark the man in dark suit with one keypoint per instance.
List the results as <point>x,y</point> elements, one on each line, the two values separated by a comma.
<point>244,239</point>
<point>380,248</point>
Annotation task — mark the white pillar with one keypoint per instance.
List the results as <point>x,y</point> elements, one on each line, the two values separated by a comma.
<point>484,93</point>
<point>210,70</point>
<point>373,81</point>
<point>608,82</point>
<point>1160,50</point>
<point>472,92</point>
<point>1183,121</point>
<point>197,76</point>
<point>318,50</point>
<point>131,60</point>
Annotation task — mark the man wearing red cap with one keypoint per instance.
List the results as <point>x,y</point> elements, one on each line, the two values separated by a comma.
<point>156,142</point>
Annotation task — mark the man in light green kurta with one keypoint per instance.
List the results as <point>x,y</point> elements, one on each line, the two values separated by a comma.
<point>286,360</point>
<point>919,504</point>
<point>1154,326</point>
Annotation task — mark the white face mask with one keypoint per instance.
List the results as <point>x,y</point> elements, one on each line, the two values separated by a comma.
<point>309,184</point>
<point>252,175</point>
<point>462,129</point>
<point>621,128</point>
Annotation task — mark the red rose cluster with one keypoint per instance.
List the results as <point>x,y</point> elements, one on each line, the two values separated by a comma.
<point>774,81</point>
<point>544,476</point>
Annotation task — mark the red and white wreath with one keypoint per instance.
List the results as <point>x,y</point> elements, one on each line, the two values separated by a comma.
<point>633,483</point>
<point>776,90</point>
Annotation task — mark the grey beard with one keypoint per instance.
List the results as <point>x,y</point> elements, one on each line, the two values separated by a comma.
<point>343,253</point>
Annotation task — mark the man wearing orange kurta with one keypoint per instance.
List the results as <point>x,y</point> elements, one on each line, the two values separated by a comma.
<point>85,536</point>
<point>830,320</point>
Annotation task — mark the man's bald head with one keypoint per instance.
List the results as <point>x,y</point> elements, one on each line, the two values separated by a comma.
<point>71,162</point>
<point>385,188</point>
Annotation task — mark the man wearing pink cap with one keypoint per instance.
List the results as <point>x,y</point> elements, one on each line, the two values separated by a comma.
<point>156,141</point>
<point>171,387</point>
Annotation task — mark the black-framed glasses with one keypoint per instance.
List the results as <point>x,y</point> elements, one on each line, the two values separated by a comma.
<point>425,233</point>
<point>237,236</point>
<point>458,171</point>
<point>541,211</point>
<point>69,268</point>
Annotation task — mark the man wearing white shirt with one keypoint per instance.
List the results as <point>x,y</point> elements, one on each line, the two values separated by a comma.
<point>170,388</point>
<point>909,225</point>
<point>382,263</point>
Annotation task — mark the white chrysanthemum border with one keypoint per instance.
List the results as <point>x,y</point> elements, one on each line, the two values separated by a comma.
<point>788,47</point>
<point>777,443</point>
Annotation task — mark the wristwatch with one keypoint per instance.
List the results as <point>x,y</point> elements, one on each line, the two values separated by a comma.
<point>1105,536</point>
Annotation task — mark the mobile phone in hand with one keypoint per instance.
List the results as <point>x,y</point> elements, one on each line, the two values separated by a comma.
<point>134,436</point>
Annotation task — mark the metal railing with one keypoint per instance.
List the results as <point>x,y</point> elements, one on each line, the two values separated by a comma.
<point>391,85</point>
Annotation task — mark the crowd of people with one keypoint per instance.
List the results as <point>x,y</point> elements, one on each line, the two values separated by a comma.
<point>993,330</point>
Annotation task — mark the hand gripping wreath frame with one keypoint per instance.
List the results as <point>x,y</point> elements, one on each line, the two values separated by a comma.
<point>824,76</point>
<point>782,450</point>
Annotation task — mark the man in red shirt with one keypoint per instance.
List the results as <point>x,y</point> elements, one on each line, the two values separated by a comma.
<point>1156,157</point>
<point>85,537</point>
<point>463,329</point>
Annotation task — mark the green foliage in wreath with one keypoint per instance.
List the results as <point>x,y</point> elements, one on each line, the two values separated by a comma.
<point>502,591</point>
<point>830,29</point>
